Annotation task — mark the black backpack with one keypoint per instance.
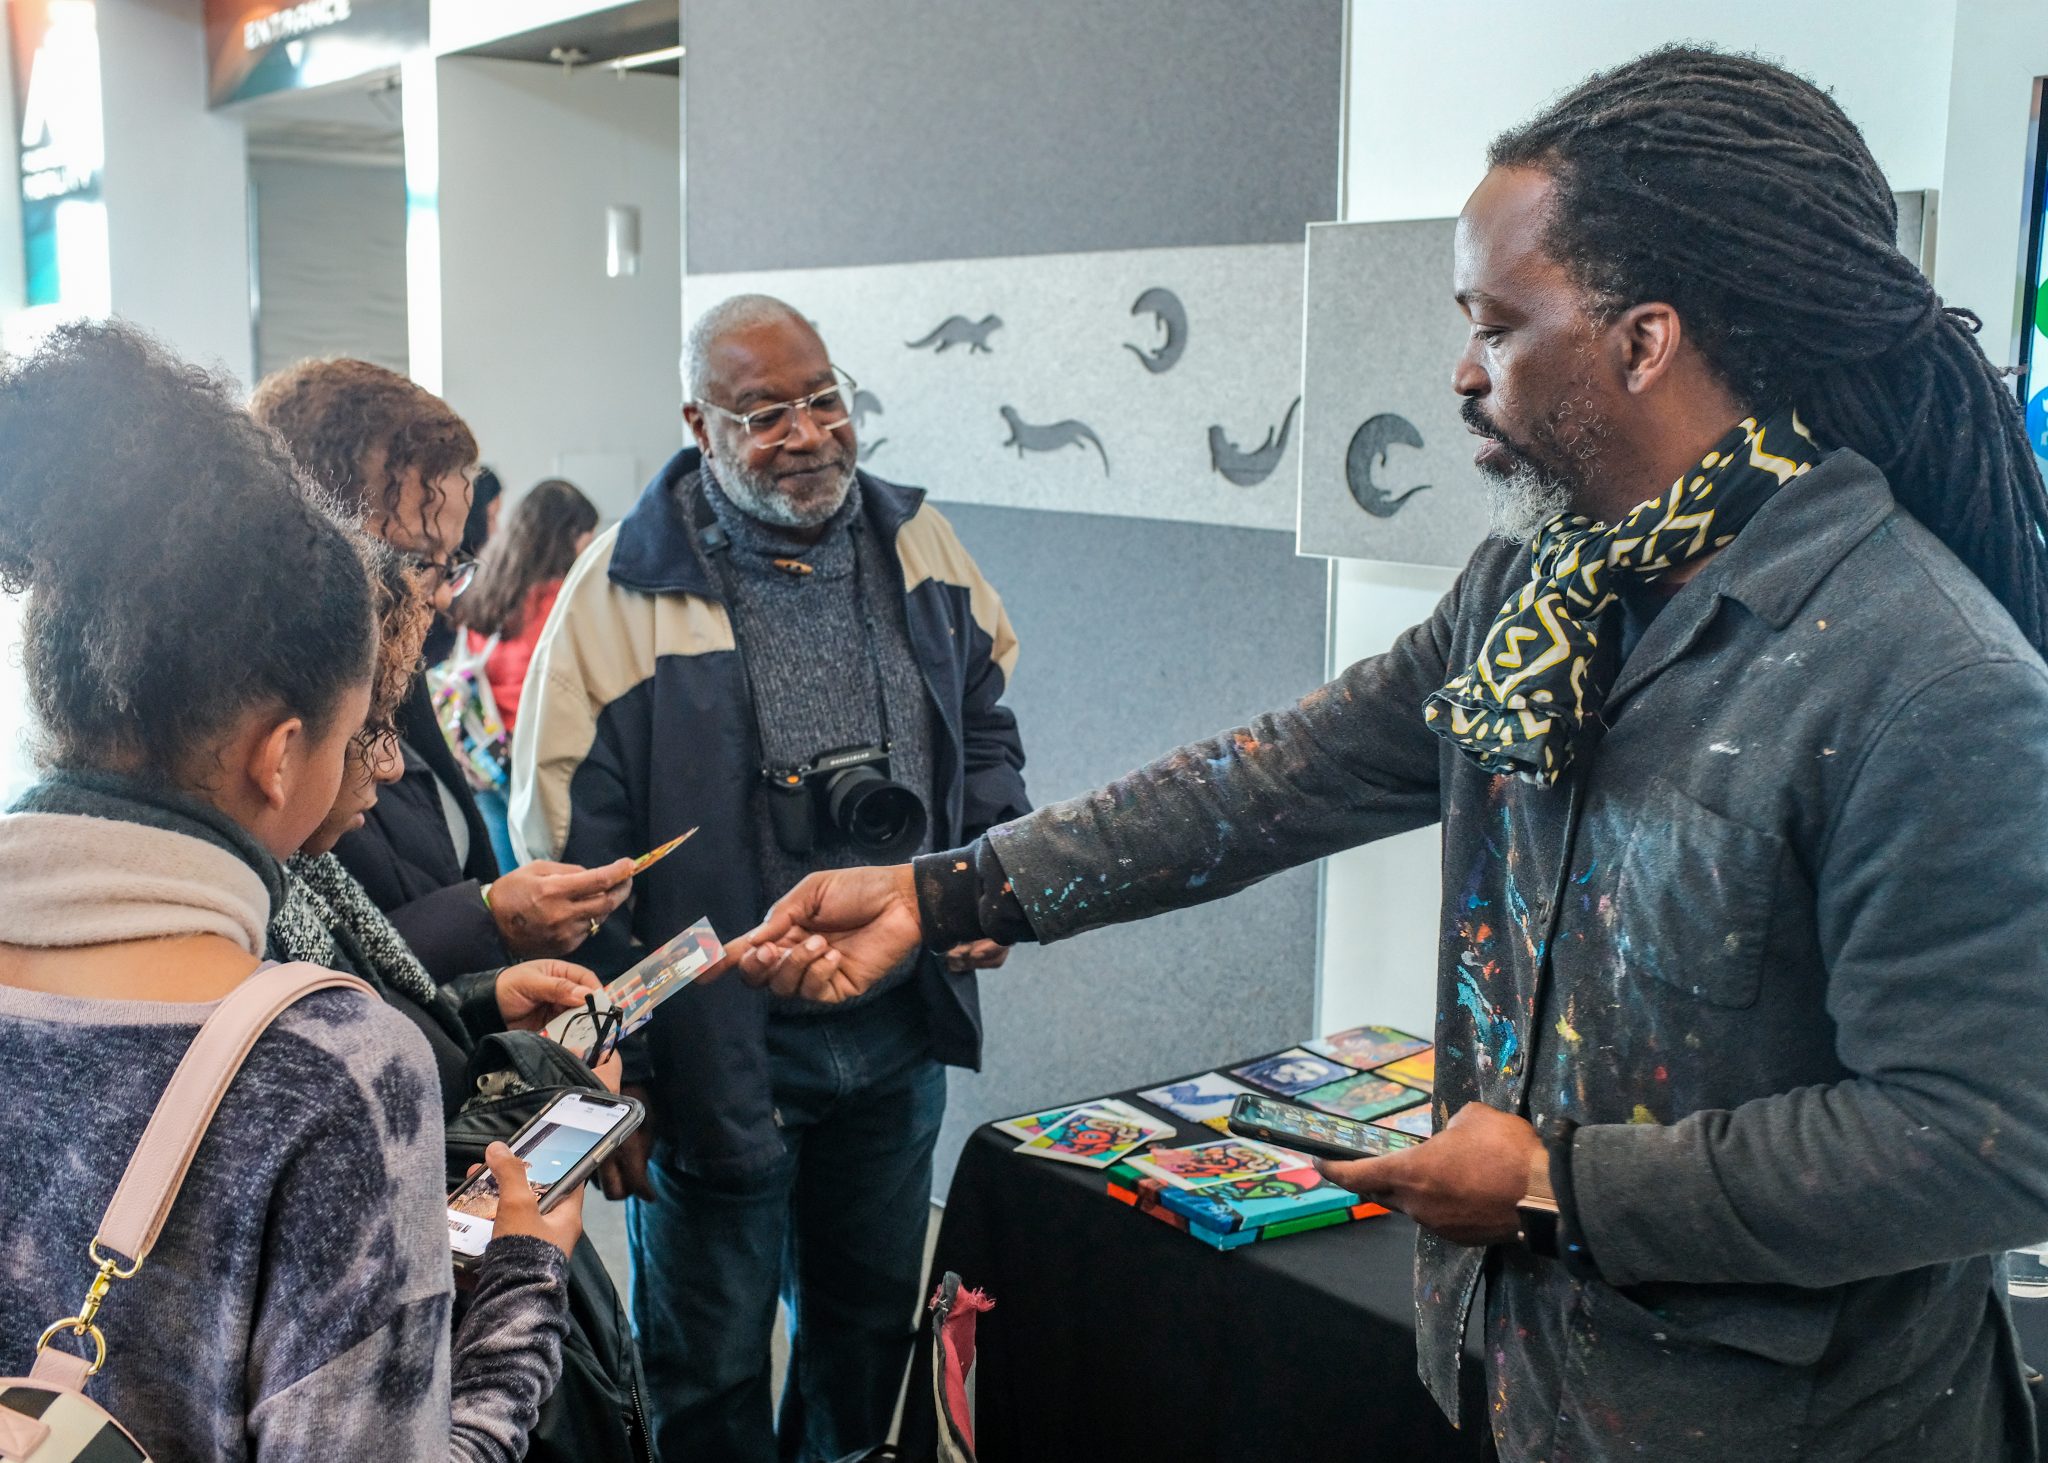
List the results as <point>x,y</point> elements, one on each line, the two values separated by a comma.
<point>595,1412</point>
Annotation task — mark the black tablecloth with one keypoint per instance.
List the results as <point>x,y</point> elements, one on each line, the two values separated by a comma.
<point>1113,1336</point>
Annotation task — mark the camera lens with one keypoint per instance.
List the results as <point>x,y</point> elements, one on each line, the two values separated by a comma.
<point>877,816</point>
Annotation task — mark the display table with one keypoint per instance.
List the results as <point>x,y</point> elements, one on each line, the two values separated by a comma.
<point>1113,1336</point>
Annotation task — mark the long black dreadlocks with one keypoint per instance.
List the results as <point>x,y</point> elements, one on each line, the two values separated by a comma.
<point>1742,195</point>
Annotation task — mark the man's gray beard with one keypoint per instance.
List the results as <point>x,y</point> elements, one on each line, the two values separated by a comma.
<point>756,495</point>
<point>1523,499</point>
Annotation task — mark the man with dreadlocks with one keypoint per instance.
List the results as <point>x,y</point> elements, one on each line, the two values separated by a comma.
<point>1743,777</point>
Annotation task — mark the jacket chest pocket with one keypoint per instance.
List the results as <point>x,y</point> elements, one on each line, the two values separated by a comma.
<point>1694,892</point>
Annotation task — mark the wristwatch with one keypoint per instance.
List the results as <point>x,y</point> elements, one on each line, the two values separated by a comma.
<point>1537,1211</point>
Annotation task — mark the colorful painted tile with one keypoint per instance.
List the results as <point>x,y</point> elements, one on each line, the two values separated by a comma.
<point>1366,1047</point>
<point>1291,1072</point>
<point>1200,1099</point>
<point>1418,1071</point>
<point>1363,1095</point>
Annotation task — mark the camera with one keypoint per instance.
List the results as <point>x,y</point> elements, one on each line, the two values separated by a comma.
<point>845,797</point>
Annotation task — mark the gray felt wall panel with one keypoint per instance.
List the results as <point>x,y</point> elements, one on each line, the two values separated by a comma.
<point>1138,636</point>
<point>838,132</point>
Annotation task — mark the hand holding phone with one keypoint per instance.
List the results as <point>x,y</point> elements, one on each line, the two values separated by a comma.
<point>1307,1130</point>
<point>545,1164</point>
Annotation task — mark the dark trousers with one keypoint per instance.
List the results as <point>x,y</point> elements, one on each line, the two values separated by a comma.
<point>835,1226</point>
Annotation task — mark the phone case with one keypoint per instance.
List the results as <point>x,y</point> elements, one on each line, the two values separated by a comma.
<point>1245,1125</point>
<point>579,1172</point>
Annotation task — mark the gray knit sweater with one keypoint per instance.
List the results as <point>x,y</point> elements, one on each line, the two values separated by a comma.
<point>804,635</point>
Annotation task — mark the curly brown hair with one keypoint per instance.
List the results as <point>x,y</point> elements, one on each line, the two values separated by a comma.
<point>405,610</point>
<point>179,569</point>
<point>358,428</point>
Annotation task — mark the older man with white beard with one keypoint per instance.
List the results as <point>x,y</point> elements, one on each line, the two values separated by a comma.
<point>802,662</point>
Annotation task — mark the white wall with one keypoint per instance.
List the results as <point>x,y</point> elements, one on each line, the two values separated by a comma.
<point>1429,87</point>
<point>2001,46</point>
<point>558,368</point>
<point>176,185</point>
<point>330,261</point>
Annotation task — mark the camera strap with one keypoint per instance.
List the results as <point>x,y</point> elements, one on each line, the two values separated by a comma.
<point>717,546</point>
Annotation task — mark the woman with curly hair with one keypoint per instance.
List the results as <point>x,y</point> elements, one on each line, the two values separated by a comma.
<point>200,640</point>
<point>328,919</point>
<point>402,457</point>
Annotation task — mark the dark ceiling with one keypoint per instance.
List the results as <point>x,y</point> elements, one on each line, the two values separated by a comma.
<point>623,30</point>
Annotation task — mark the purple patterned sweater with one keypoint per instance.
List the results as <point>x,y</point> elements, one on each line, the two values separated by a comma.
<point>297,1304</point>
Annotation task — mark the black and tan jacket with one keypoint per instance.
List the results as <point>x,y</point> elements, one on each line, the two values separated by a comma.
<point>634,727</point>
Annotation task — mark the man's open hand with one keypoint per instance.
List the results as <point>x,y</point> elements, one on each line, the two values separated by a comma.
<point>835,935</point>
<point>1464,1183</point>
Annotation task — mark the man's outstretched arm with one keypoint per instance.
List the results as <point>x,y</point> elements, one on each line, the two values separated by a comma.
<point>1351,762</point>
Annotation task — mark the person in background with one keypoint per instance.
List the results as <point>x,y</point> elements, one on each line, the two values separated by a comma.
<point>763,604</point>
<point>517,581</point>
<point>503,612</point>
<point>487,498</point>
<point>199,652</point>
<point>1738,734</point>
<point>400,456</point>
<point>486,501</point>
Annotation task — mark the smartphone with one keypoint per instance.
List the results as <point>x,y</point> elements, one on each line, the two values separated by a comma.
<point>1305,1130</point>
<point>561,1147</point>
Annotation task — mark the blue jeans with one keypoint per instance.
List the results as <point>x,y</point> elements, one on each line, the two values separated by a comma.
<point>497,821</point>
<point>835,1225</point>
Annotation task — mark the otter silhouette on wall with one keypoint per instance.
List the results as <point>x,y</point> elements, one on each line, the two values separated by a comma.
<point>1249,469</point>
<point>959,330</point>
<point>1028,438</point>
<point>865,405</point>
<point>1165,306</point>
<point>1369,446</point>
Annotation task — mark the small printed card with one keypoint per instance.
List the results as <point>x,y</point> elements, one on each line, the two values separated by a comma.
<point>1031,1124</point>
<point>1203,1099</point>
<point>1366,1047</point>
<point>1211,1163</point>
<point>1418,1071</point>
<point>1416,1122</point>
<point>1363,1095</point>
<point>1291,1072</point>
<point>1096,1135</point>
<point>636,993</point>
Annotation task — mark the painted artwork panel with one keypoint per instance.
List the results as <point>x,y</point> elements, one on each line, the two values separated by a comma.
<point>1290,1072</point>
<point>1416,1122</point>
<point>1366,1047</point>
<point>1363,1095</point>
<point>1204,1099</point>
<point>1418,1071</point>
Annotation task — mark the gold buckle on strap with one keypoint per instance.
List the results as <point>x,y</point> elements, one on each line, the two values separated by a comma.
<point>82,1324</point>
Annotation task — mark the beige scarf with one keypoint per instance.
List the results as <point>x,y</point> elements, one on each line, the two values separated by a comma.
<point>67,880</point>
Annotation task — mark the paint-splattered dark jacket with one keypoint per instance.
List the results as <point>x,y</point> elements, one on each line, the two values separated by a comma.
<point>1780,944</point>
<point>634,727</point>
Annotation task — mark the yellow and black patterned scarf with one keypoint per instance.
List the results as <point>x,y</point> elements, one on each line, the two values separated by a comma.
<point>1521,706</point>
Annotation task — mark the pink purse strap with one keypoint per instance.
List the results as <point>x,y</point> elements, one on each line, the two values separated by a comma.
<point>155,1173</point>
<point>156,1170</point>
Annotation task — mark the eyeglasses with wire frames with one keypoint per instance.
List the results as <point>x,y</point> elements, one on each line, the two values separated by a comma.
<point>829,407</point>
<point>600,1023</point>
<point>457,571</point>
